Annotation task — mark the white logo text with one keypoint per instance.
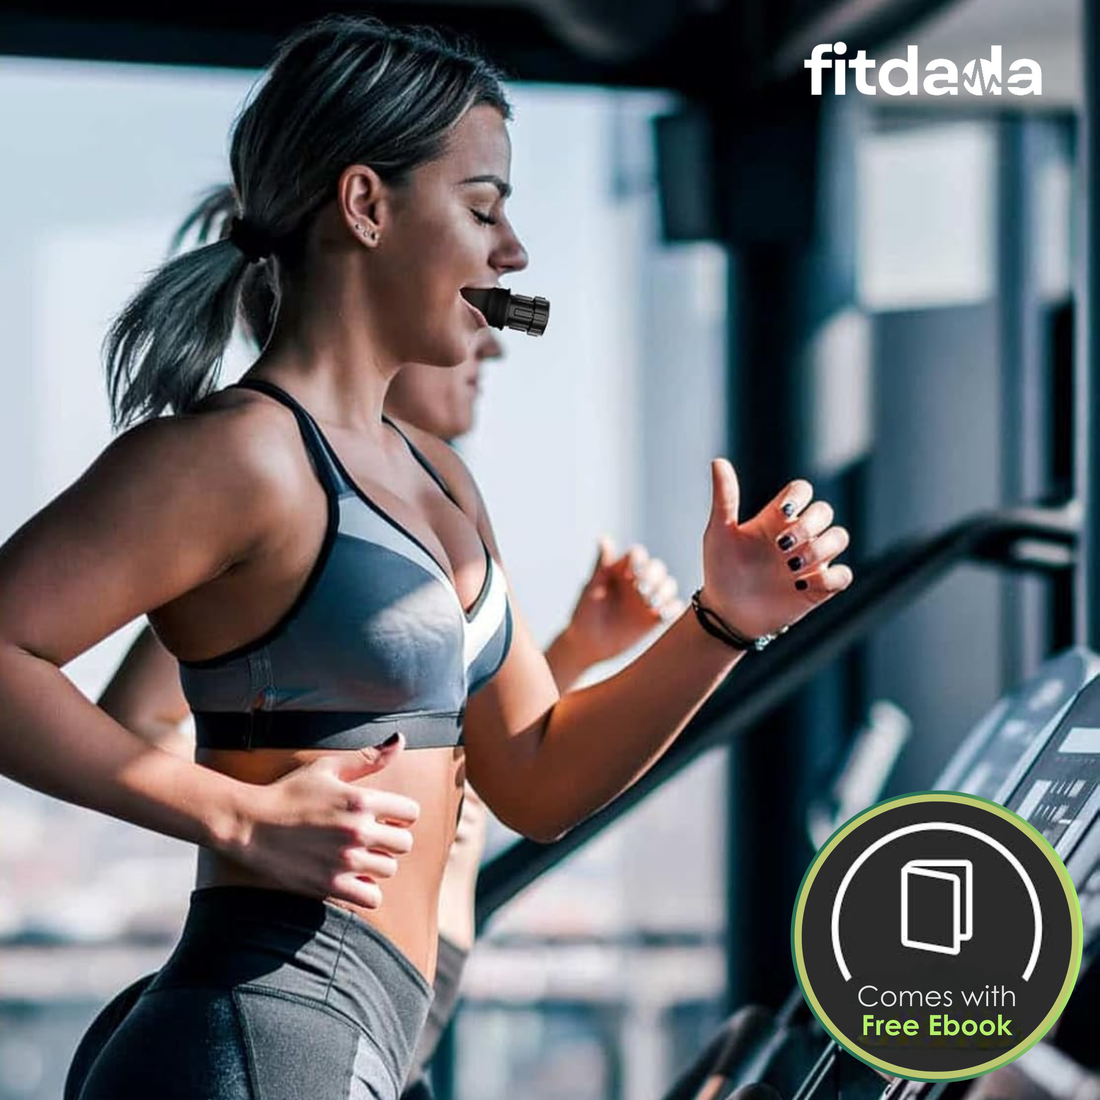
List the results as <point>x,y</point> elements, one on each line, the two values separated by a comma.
<point>902,76</point>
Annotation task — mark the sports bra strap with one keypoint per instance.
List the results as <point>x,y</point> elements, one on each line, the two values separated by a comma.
<point>314,438</point>
<point>420,457</point>
<point>319,447</point>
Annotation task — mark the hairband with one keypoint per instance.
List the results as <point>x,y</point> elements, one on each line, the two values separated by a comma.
<point>253,241</point>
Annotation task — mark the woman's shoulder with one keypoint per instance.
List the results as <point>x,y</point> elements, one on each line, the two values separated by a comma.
<point>231,441</point>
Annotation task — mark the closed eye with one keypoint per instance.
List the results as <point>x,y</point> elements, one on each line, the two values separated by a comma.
<point>485,219</point>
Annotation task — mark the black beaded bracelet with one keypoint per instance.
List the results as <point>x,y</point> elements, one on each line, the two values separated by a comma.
<point>718,628</point>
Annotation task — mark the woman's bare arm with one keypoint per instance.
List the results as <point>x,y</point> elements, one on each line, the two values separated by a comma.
<point>145,696</point>
<point>165,509</point>
<point>157,515</point>
<point>543,761</point>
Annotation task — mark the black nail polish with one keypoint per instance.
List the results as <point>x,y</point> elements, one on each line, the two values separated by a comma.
<point>801,584</point>
<point>786,542</point>
<point>788,509</point>
<point>391,740</point>
<point>794,564</point>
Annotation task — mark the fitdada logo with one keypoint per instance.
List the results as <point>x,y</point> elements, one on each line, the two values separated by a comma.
<point>937,936</point>
<point>981,76</point>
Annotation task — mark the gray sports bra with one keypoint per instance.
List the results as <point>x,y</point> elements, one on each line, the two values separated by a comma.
<point>377,641</point>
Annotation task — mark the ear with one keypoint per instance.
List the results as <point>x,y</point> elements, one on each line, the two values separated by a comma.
<point>363,199</point>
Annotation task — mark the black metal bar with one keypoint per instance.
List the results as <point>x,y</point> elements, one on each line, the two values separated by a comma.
<point>1011,538</point>
<point>768,326</point>
<point>862,24</point>
<point>817,1075</point>
<point>1087,349</point>
<point>519,37</point>
<point>1024,376</point>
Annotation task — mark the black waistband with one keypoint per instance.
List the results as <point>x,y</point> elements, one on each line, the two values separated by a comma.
<point>322,729</point>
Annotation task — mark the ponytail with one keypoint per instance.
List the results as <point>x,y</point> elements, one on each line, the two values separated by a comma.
<point>164,350</point>
<point>211,220</point>
<point>259,303</point>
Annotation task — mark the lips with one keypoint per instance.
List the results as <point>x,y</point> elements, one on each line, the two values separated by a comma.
<point>477,294</point>
<point>479,316</point>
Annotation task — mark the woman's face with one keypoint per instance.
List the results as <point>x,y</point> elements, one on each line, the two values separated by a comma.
<point>443,230</point>
<point>440,400</point>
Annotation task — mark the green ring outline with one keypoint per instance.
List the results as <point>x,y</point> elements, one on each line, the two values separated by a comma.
<point>924,797</point>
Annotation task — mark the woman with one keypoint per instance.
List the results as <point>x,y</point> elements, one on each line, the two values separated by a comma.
<point>332,588</point>
<point>622,601</point>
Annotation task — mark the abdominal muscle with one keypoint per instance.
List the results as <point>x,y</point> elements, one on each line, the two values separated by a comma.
<point>409,912</point>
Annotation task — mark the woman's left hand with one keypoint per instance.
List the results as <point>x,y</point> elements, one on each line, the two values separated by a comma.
<point>622,601</point>
<point>770,571</point>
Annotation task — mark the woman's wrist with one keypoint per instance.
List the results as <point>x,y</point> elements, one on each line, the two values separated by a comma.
<point>568,657</point>
<point>707,599</point>
<point>718,625</point>
<point>231,814</point>
<point>687,629</point>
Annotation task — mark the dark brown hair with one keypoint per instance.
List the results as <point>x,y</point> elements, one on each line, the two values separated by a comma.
<point>343,91</point>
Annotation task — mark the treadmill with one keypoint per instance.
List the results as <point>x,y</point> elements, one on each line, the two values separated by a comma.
<point>1055,787</point>
<point>1014,747</point>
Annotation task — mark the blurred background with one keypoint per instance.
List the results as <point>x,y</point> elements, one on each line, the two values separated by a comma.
<point>876,293</point>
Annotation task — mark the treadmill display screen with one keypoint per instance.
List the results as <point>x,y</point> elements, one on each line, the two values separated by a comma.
<point>992,768</point>
<point>1005,737</point>
<point>1084,739</point>
<point>1060,795</point>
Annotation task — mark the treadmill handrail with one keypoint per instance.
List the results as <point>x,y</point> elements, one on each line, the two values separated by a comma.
<point>1027,537</point>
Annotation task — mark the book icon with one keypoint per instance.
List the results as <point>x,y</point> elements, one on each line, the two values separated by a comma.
<point>937,904</point>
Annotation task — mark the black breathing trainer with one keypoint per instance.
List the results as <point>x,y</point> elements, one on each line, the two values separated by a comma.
<point>503,309</point>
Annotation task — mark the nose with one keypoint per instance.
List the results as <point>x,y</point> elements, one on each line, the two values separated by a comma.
<point>508,253</point>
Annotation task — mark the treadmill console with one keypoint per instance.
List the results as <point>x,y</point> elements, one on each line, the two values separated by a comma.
<point>1059,793</point>
<point>1002,746</point>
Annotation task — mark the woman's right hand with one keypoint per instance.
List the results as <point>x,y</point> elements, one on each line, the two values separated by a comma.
<point>316,833</point>
<point>767,572</point>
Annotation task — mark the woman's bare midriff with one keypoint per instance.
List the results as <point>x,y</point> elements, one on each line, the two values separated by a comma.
<point>409,913</point>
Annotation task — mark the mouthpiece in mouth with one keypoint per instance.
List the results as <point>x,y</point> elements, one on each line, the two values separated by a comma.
<point>503,309</point>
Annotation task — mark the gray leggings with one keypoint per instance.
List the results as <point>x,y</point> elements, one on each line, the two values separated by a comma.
<point>268,996</point>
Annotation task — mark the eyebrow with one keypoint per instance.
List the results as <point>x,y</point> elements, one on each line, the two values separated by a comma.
<point>505,189</point>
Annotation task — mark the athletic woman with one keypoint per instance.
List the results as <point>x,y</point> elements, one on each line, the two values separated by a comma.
<point>332,588</point>
<point>622,601</point>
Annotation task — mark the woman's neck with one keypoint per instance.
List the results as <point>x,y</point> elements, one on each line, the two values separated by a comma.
<point>323,347</point>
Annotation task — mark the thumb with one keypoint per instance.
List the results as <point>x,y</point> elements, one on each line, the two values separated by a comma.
<point>725,492</point>
<point>596,585</point>
<point>606,554</point>
<point>350,766</point>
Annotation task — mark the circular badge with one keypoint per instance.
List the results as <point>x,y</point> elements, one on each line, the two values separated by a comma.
<point>937,936</point>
